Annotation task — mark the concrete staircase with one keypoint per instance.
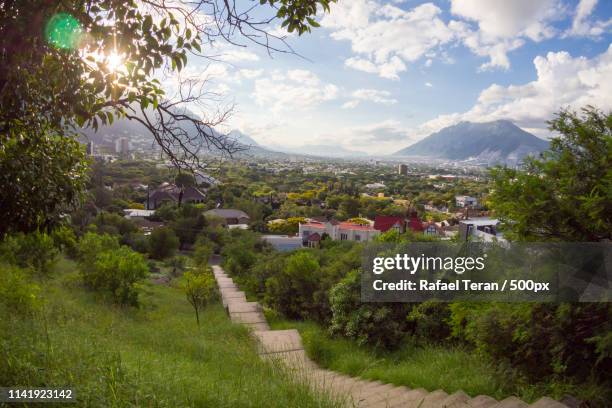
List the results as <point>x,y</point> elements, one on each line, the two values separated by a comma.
<point>286,346</point>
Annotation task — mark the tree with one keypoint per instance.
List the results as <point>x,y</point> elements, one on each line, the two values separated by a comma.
<point>567,193</point>
<point>163,242</point>
<point>199,288</point>
<point>74,64</point>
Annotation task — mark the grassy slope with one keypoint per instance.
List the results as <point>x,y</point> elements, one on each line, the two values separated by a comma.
<point>154,356</point>
<point>427,366</point>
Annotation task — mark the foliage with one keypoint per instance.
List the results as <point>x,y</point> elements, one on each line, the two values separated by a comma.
<point>289,226</point>
<point>35,250</point>
<point>291,292</point>
<point>163,242</point>
<point>18,294</point>
<point>177,263</point>
<point>42,175</point>
<point>91,245</point>
<point>199,289</point>
<point>116,272</point>
<point>379,325</point>
<point>65,240</point>
<point>429,322</point>
<point>565,195</point>
<point>202,252</point>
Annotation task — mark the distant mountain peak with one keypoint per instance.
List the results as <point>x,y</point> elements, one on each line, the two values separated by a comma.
<point>499,141</point>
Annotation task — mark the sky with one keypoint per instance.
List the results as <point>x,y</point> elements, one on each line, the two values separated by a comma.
<point>378,75</point>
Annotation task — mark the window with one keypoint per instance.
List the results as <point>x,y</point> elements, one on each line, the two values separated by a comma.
<point>343,237</point>
<point>357,237</point>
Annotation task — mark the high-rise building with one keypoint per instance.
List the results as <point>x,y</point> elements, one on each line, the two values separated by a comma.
<point>402,170</point>
<point>122,146</point>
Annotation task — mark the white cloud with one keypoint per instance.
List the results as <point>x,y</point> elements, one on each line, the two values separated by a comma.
<point>234,55</point>
<point>503,26</point>
<point>562,81</point>
<point>379,138</point>
<point>369,95</point>
<point>582,25</point>
<point>385,37</point>
<point>292,90</point>
<point>429,84</point>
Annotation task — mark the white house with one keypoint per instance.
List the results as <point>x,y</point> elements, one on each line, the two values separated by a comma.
<point>337,231</point>
<point>465,201</point>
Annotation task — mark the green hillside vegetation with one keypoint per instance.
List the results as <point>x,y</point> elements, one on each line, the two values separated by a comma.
<point>154,355</point>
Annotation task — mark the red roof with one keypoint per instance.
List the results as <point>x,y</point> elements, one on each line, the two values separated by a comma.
<point>415,224</point>
<point>354,227</point>
<point>384,223</point>
<point>314,237</point>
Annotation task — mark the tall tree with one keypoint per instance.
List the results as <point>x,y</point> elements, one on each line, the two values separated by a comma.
<point>567,193</point>
<point>72,64</point>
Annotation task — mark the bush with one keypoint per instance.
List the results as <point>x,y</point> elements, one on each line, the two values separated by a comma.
<point>291,292</point>
<point>17,293</point>
<point>35,250</point>
<point>378,325</point>
<point>429,321</point>
<point>199,289</point>
<point>91,245</point>
<point>116,272</point>
<point>65,240</point>
<point>163,243</point>
<point>202,252</point>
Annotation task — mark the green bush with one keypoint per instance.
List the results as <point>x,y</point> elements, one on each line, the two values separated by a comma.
<point>291,292</point>
<point>116,272</point>
<point>65,240</point>
<point>17,293</point>
<point>429,321</point>
<point>91,245</point>
<point>35,250</point>
<point>202,251</point>
<point>378,325</point>
<point>163,243</point>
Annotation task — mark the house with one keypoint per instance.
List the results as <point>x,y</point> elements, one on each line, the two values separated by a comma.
<point>136,213</point>
<point>414,223</point>
<point>384,223</point>
<point>314,240</point>
<point>433,228</point>
<point>171,193</point>
<point>283,243</point>
<point>465,201</point>
<point>480,229</point>
<point>229,216</point>
<point>337,231</point>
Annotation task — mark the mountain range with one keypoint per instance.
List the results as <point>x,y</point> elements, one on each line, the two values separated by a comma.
<point>489,143</point>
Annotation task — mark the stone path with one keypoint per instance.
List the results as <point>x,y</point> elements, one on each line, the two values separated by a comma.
<point>286,346</point>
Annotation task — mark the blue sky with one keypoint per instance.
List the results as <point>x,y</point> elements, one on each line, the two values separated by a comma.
<point>380,75</point>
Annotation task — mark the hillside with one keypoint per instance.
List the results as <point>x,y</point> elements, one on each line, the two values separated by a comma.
<point>500,141</point>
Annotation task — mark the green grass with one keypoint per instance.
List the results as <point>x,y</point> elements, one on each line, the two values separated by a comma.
<point>154,356</point>
<point>426,366</point>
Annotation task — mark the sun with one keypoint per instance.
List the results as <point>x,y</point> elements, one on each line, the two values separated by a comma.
<point>113,61</point>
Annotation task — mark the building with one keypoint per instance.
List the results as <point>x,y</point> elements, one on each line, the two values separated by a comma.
<point>283,243</point>
<point>483,229</point>
<point>337,231</point>
<point>402,170</point>
<point>384,223</point>
<point>465,201</point>
<point>229,216</point>
<point>434,229</point>
<point>171,193</point>
<point>122,146</point>
<point>136,213</point>
<point>90,149</point>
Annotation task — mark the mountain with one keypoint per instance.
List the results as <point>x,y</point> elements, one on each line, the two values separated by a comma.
<point>323,151</point>
<point>495,142</point>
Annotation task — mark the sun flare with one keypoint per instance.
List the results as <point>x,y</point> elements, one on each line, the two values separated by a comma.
<point>114,61</point>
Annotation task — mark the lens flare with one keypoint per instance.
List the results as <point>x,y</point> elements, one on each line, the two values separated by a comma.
<point>114,61</point>
<point>63,31</point>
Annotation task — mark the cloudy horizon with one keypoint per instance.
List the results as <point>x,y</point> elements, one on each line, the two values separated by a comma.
<point>378,76</point>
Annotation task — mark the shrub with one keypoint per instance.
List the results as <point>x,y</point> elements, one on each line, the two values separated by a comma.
<point>17,293</point>
<point>65,240</point>
<point>35,250</point>
<point>163,243</point>
<point>91,245</point>
<point>291,292</point>
<point>116,272</point>
<point>429,321</point>
<point>177,263</point>
<point>378,325</point>
<point>202,252</point>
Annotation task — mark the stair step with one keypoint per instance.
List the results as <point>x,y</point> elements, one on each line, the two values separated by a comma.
<point>274,341</point>
<point>455,400</point>
<point>411,399</point>
<point>250,318</point>
<point>546,402</point>
<point>511,402</point>
<point>482,401</point>
<point>243,307</point>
